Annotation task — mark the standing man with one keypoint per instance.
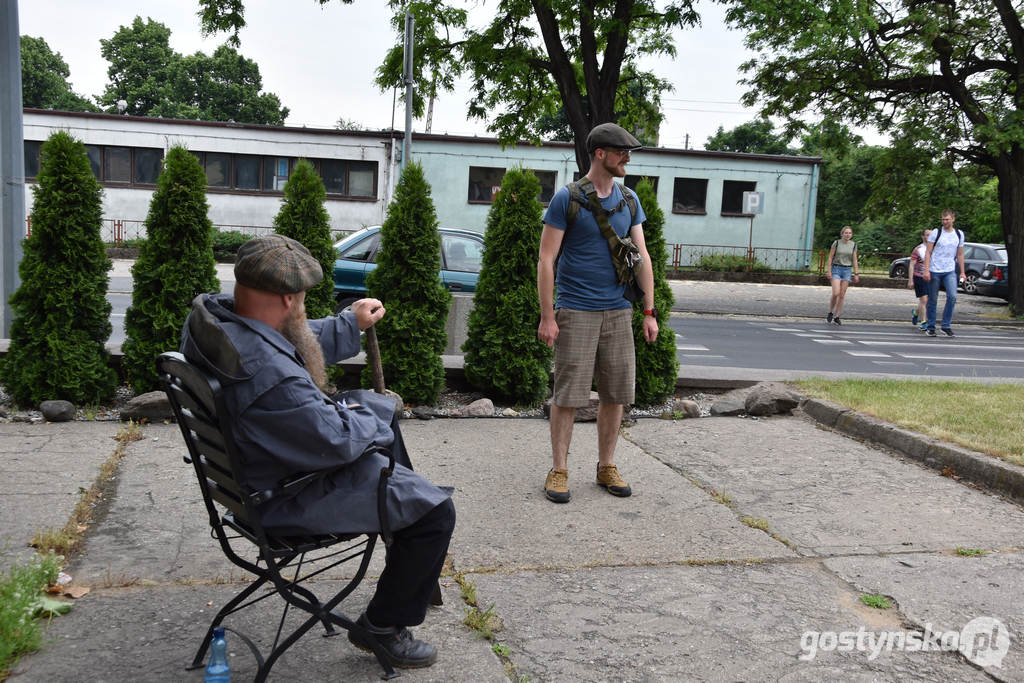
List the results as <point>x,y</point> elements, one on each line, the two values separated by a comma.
<point>590,323</point>
<point>945,252</point>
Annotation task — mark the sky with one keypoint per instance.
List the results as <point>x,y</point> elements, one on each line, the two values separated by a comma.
<point>321,61</point>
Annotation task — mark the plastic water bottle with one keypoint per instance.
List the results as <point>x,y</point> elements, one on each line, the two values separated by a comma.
<point>217,670</point>
<point>914,317</point>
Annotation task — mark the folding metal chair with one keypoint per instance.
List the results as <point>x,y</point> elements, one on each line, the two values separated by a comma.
<point>235,520</point>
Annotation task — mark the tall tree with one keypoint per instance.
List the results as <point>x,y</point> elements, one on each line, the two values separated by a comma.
<point>302,217</point>
<point>503,355</point>
<point>61,314</point>
<point>412,334</point>
<point>154,80</point>
<point>532,58</point>
<point>946,75</point>
<point>44,79</point>
<point>753,137</point>
<point>175,265</point>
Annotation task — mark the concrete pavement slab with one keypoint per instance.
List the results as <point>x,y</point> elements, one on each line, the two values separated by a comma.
<point>43,468</point>
<point>826,493</point>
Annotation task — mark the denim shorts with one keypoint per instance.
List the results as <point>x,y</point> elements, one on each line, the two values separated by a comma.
<point>842,272</point>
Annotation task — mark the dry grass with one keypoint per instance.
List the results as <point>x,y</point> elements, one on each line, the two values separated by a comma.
<point>988,418</point>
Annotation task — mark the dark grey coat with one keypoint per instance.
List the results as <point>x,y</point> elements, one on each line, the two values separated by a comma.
<point>285,426</point>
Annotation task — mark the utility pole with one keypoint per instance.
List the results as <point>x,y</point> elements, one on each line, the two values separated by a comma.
<point>12,159</point>
<point>407,75</point>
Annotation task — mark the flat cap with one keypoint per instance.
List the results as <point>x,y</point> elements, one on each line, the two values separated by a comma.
<point>275,263</point>
<point>611,135</point>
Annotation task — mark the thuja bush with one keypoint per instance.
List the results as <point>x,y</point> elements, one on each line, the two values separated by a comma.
<point>303,218</point>
<point>729,262</point>
<point>412,334</point>
<point>656,363</point>
<point>503,356</point>
<point>61,315</point>
<point>175,265</point>
<point>226,243</point>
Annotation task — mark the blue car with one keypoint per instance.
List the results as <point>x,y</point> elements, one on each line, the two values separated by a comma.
<point>461,257</point>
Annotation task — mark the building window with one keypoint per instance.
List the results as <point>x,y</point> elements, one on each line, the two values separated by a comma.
<point>547,185</point>
<point>146,165</point>
<point>349,178</point>
<point>32,148</point>
<point>218,169</point>
<point>689,195</point>
<point>632,181</point>
<point>247,172</point>
<point>732,196</point>
<point>117,165</point>
<point>95,154</point>
<point>484,183</point>
<point>275,173</point>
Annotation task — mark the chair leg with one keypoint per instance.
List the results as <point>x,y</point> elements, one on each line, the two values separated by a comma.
<point>197,661</point>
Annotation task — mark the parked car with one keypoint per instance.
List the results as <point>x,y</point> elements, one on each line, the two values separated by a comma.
<point>976,255</point>
<point>995,280</point>
<point>461,257</point>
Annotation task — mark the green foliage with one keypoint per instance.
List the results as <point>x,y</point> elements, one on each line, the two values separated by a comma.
<point>304,218</point>
<point>503,355</point>
<point>753,137</point>
<point>61,315</point>
<point>844,190</point>
<point>20,594</point>
<point>155,80</point>
<point>175,265</point>
<point>656,363</point>
<point>44,79</point>
<point>226,243</point>
<point>412,334</point>
<point>730,263</point>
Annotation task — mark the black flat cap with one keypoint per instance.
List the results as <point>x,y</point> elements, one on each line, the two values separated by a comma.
<point>278,264</point>
<point>611,135</point>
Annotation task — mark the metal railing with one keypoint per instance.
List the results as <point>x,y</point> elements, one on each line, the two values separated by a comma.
<point>689,256</point>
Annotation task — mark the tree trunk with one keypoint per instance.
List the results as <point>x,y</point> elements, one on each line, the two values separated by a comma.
<point>1009,168</point>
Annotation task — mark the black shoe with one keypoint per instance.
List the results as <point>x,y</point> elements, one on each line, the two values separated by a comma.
<point>930,333</point>
<point>837,321</point>
<point>949,332</point>
<point>400,648</point>
<point>828,318</point>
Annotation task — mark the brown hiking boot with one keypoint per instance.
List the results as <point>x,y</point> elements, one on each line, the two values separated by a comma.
<point>608,477</point>
<point>556,486</point>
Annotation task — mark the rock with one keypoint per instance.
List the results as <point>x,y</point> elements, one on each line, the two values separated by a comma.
<point>152,406</point>
<point>483,407</point>
<point>769,398</point>
<point>399,404</point>
<point>727,407</point>
<point>509,412</point>
<point>57,411</point>
<point>687,407</point>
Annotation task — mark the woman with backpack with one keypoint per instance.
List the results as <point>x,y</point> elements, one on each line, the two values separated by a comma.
<point>842,267</point>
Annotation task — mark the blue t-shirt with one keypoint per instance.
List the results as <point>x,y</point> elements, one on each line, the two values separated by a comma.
<point>586,279</point>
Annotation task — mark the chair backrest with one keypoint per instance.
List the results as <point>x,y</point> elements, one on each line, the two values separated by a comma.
<point>198,406</point>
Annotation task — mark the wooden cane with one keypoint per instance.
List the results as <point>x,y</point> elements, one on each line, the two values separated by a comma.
<point>373,358</point>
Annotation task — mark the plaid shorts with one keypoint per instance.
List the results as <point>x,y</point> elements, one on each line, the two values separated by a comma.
<point>594,346</point>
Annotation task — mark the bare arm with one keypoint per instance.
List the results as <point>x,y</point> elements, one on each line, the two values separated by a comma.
<point>550,242</point>
<point>646,276</point>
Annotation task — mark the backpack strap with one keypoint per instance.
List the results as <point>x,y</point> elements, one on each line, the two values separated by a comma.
<point>579,193</point>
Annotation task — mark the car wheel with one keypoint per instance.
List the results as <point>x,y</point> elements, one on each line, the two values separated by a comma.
<point>344,303</point>
<point>971,283</point>
<point>899,271</point>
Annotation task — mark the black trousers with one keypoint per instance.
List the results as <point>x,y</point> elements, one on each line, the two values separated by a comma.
<point>411,569</point>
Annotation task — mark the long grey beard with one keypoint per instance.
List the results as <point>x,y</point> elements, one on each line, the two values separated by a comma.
<point>296,330</point>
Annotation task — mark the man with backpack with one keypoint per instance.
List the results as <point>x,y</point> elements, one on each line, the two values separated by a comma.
<point>592,237</point>
<point>944,256</point>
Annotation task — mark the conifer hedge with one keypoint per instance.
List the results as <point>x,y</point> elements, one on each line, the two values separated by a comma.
<point>303,218</point>
<point>503,356</point>
<point>412,334</point>
<point>61,315</point>
<point>656,362</point>
<point>175,265</point>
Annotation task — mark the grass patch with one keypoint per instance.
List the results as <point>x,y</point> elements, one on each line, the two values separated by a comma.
<point>721,497</point>
<point>970,552</point>
<point>756,523</point>
<point>876,600</point>
<point>20,592</point>
<point>988,418</point>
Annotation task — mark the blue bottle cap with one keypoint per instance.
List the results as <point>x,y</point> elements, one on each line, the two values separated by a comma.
<point>218,632</point>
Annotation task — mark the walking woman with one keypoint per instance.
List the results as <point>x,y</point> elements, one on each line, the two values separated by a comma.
<point>842,266</point>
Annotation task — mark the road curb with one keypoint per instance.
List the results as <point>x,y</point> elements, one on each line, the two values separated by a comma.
<point>976,468</point>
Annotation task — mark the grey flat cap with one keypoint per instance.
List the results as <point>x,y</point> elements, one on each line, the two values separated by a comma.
<point>278,264</point>
<point>611,135</point>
